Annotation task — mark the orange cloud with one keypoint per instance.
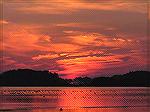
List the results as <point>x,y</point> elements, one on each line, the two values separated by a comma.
<point>47,56</point>
<point>3,22</point>
<point>61,47</point>
<point>96,39</point>
<point>85,65</point>
<point>18,38</point>
<point>61,7</point>
<point>83,39</point>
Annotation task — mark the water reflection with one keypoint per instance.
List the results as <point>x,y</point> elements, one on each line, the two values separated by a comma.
<point>75,99</point>
<point>143,109</point>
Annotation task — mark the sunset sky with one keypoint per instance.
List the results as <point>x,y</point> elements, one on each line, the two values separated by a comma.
<point>75,37</point>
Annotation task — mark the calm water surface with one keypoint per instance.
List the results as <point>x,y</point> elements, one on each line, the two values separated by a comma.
<point>75,99</point>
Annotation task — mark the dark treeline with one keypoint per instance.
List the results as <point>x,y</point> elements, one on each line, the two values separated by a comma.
<point>27,77</point>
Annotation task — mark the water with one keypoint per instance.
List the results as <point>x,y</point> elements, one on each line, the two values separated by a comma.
<point>72,99</point>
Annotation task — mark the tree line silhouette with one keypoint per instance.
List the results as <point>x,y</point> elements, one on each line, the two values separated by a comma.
<point>28,78</point>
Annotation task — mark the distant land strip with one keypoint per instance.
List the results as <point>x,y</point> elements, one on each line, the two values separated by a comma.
<point>32,78</point>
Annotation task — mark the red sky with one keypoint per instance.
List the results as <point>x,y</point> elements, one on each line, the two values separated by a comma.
<point>75,37</point>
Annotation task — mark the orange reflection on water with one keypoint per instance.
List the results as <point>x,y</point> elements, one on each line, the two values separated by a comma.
<point>76,98</point>
<point>100,110</point>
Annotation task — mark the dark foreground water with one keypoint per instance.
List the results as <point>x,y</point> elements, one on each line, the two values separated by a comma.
<point>74,99</point>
